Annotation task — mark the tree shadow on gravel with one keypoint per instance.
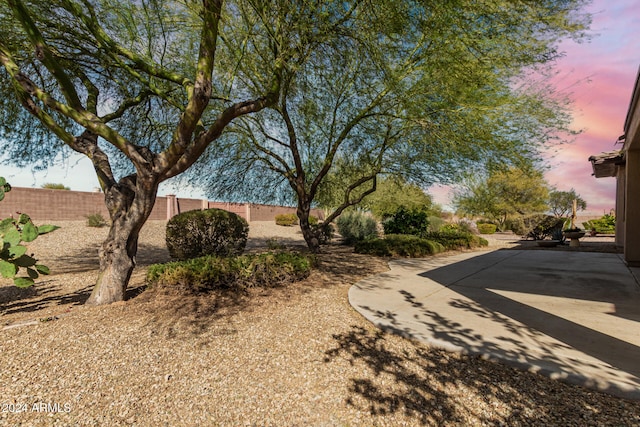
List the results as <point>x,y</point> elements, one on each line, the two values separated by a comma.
<point>49,293</point>
<point>420,378</point>
<point>174,314</point>
<point>84,259</point>
<point>176,311</point>
<point>38,297</point>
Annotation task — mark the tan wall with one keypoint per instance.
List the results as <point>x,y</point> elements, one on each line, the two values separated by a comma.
<point>44,204</point>
<point>64,205</point>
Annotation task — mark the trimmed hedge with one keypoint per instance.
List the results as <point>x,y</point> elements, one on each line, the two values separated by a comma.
<point>403,245</point>
<point>453,240</point>
<point>486,228</point>
<point>287,220</point>
<point>198,233</point>
<point>406,245</point>
<point>267,269</point>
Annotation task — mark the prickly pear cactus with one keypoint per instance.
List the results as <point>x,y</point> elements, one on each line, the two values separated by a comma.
<point>13,256</point>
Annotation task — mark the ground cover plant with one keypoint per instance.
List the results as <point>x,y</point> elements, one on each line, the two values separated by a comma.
<point>406,245</point>
<point>266,269</point>
<point>400,245</point>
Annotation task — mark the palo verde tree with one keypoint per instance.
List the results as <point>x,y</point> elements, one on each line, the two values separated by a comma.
<point>141,88</point>
<point>504,194</point>
<point>425,90</point>
<point>561,202</point>
<point>391,194</point>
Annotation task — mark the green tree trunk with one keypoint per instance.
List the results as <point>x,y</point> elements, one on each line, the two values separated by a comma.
<point>129,209</point>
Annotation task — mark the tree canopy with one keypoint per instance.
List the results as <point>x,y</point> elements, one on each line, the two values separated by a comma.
<point>420,90</point>
<point>504,194</point>
<point>561,202</point>
<point>391,194</point>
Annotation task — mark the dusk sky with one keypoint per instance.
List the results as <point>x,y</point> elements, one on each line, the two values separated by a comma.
<point>598,74</point>
<point>606,69</point>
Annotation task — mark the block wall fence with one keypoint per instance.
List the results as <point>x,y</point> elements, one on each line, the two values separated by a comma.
<point>65,205</point>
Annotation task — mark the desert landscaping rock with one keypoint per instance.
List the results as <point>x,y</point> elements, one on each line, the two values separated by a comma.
<point>291,356</point>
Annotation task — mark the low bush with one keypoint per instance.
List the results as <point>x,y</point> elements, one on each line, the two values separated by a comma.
<point>486,228</point>
<point>202,274</point>
<point>405,221</point>
<point>286,220</point>
<point>454,240</point>
<point>435,223</point>
<point>516,225</point>
<point>323,232</point>
<point>403,245</point>
<point>604,225</point>
<point>356,227</point>
<point>536,226</point>
<point>54,186</point>
<point>96,220</point>
<point>194,234</point>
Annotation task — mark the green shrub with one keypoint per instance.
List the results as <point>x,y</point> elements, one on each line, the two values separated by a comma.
<point>96,220</point>
<point>313,220</point>
<point>324,233</point>
<point>405,221</point>
<point>435,223</point>
<point>486,228</point>
<point>286,220</point>
<point>245,271</point>
<point>516,225</point>
<point>54,186</point>
<point>537,226</point>
<point>403,245</point>
<point>356,226</point>
<point>207,232</point>
<point>454,240</point>
<point>604,225</point>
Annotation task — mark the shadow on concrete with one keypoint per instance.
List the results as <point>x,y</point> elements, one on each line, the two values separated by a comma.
<point>569,315</point>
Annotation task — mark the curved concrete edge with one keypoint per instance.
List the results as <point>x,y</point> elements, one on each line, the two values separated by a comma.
<point>382,283</point>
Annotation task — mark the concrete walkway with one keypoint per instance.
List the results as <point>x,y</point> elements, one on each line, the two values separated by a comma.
<point>573,316</point>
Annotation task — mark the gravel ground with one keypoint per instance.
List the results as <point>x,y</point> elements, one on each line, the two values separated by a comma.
<point>292,356</point>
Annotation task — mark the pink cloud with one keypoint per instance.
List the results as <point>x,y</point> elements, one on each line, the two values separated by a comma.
<point>603,73</point>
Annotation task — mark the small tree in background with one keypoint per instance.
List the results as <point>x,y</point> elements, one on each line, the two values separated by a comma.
<point>393,193</point>
<point>561,202</point>
<point>504,195</point>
